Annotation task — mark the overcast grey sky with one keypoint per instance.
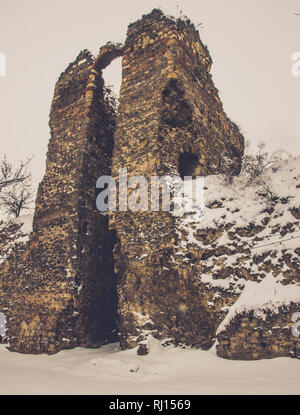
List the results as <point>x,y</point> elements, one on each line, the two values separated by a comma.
<point>251,43</point>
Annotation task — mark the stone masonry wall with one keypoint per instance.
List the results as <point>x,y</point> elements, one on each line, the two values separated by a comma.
<point>84,276</point>
<point>62,294</point>
<point>250,338</point>
<point>168,107</point>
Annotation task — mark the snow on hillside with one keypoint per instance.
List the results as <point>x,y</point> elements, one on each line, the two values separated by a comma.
<point>166,370</point>
<point>171,370</point>
<point>240,205</point>
<point>256,229</point>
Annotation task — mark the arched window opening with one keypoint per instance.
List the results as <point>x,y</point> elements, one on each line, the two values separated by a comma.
<point>187,164</point>
<point>112,76</point>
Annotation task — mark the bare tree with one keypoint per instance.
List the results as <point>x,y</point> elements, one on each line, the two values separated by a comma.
<point>15,195</point>
<point>16,199</point>
<point>10,175</point>
<point>255,164</point>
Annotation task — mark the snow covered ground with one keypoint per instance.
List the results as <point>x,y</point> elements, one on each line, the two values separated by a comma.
<point>108,370</point>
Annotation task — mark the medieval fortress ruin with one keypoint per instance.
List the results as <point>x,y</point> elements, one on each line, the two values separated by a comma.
<point>85,278</point>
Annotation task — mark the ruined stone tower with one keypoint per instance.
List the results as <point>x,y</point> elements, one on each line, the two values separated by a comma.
<point>170,121</point>
<point>77,266</point>
<point>63,292</point>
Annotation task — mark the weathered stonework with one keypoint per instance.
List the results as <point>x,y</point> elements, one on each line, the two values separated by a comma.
<point>84,276</point>
<point>168,108</point>
<point>247,251</point>
<point>251,338</point>
<point>62,294</point>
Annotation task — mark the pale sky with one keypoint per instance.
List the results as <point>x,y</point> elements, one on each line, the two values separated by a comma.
<point>251,43</point>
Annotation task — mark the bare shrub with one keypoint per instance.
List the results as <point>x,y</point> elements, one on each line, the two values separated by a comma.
<point>15,187</point>
<point>255,165</point>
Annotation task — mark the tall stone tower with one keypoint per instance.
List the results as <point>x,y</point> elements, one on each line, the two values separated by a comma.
<point>170,122</point>
<point>81,268</point>
<point>63,293</point>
